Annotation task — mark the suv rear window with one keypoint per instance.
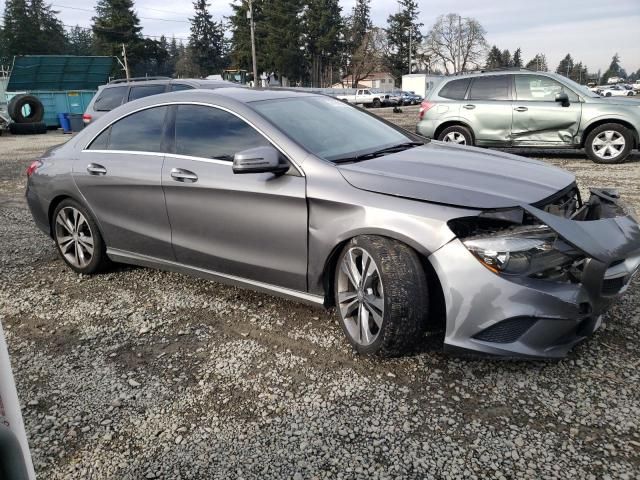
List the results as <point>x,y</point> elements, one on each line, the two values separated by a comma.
<point>145,91</point>
<point>493,87</point>
<point>455,89</point>
<point>110,98</point>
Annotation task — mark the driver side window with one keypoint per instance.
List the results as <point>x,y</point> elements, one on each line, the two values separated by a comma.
<point>537,88</point>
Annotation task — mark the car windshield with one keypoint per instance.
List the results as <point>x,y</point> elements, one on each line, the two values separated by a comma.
<point>329,128</point>
<point>581,89</point>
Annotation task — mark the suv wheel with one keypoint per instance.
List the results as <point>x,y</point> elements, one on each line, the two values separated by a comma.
<point>377,103</point>
<point>78,239</point>
<point>381,295</point>
<point>456,134</point>
<point>609,143</point>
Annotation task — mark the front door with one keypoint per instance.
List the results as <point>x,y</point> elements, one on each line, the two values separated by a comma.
<point>119,175</point>
<point>488,111</point>
<point>252,226</point>
<point>537,118</point>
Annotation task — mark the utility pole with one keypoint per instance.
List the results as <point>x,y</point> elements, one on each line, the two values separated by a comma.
<point>410,52</point>
<point>253,46</point>
<point>126,64</point>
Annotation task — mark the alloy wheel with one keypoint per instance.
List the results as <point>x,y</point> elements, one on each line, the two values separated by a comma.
<point>360,296</point>
<point>74,237</point>
<point>455,137</point>
<point>608,144</point>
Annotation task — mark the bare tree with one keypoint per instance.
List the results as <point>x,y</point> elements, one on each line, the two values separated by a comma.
<point>456,43</point>
<point>368,57</point>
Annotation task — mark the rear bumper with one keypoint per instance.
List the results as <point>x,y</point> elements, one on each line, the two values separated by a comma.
<point>426,128</point>
<point>523,317</point>
<point>38,209</point>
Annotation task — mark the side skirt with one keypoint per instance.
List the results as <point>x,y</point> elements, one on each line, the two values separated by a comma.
<point>121,256</point>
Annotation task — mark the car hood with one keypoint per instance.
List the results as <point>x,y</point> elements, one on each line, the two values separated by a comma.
<point>458,175</point>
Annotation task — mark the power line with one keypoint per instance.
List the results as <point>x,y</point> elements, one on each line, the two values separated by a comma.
<point>115,31</point>
<point>143,18</point>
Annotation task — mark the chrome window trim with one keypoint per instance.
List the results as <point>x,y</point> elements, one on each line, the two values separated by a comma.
<point>204,104</point>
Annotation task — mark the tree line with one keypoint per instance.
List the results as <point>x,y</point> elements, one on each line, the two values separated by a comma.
<point>311,42</point>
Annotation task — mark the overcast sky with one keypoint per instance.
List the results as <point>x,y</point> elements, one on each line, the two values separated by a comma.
<point>592,31</point>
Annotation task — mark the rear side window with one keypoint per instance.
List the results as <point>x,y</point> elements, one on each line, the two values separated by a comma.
<point>493,87</point>
<point>455,89</point>
<point>139,132</point>
<point>101,142</point>
<point>176,87</point>
<point>110,98</point>
<point>145,91</point>
<point>209,132</point>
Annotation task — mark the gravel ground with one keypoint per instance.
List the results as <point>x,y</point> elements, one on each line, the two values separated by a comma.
<point>138,373</point>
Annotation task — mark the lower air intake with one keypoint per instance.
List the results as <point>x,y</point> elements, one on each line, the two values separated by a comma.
<point>506,331</point>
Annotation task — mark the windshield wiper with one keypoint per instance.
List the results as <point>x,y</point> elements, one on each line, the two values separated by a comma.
<point>378,153</point>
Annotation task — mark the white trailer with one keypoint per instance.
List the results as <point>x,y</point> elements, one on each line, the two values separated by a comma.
<point>420,83</point>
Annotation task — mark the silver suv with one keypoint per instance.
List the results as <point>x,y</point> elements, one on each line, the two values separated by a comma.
<point>121,91</point>
<point>522,108</point>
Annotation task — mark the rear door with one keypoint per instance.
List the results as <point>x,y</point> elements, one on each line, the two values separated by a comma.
<point>488,109</point>
<point>252,226</point>
<point>537,118</point>
<point>119,175</point>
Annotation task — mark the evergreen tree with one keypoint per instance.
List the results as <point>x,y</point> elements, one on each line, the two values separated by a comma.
<point>494,58</point>
<point>32,28</point>
<point>614,70</point>
<point>116,24</point>
<point>538,63</point>
<point>565,66</point>
<point>357,38</point>
<point>403,34</point>
<point>206,42</point>
<point>79,41</point>
<point>174,52</point>
<point>240,45</point>
<point>506,59</point>
<point>282,46</point>
<point>517,58</point>
<point>579,73</point>
<point>322,26</point>
<point>16,31</point>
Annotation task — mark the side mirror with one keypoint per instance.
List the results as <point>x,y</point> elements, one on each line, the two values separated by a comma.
<point>563,98</point>
<point>259,160</point>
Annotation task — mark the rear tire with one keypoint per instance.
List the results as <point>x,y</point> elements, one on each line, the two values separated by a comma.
<point>376,103</point>
<point>385,313</point>
<point>78,239</point>
<point>609,143</point>
<point>456,134</point>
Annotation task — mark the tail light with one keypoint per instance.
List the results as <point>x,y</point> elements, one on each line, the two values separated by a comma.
<point>33,167</point>
<point>425,106</point>
<point>86,118</point>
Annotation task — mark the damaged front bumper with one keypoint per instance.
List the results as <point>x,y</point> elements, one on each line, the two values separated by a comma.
<point>490,313</point>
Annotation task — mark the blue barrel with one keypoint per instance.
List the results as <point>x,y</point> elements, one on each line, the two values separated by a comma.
<point>64,122</point>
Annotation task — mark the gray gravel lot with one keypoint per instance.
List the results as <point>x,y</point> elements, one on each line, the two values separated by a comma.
<point>138,373</point>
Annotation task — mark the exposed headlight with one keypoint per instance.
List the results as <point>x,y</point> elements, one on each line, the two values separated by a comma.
<point>522,251</point>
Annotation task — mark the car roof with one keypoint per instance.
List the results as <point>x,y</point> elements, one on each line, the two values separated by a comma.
<point>194,82</point>
<point>505,71</point>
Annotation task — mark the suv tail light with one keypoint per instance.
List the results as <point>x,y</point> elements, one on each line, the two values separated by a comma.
<point>425,106</point>
<point>86,118</point>
<point>33,167</point>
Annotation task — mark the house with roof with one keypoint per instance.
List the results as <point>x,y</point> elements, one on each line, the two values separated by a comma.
<point>383,80</point>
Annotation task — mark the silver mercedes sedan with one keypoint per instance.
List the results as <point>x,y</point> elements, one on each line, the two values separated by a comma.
<point>307,197</point>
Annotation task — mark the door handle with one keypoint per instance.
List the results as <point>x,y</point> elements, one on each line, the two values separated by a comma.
<point>469,107</point>
<point>521,109</point>
<point>181,175</point>
<point>96,169</point>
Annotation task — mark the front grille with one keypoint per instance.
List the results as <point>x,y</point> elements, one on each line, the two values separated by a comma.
<point>506,331</point>
<point>613,285</point>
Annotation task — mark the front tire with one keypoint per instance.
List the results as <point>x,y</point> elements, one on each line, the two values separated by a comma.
<point>78,239</point>
<point>376,103</point>
<point>456,134</point>
<point>609,143</point>
<point>381,295</point>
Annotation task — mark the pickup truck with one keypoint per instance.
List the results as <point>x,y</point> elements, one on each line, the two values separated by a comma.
<point>363,96</point>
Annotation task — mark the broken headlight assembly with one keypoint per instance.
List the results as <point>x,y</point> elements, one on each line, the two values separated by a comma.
<point>534,251</point>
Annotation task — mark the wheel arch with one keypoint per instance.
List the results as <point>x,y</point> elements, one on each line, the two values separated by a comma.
<point>57,200</point>
<point>589,128</point>
<point>453,123</point>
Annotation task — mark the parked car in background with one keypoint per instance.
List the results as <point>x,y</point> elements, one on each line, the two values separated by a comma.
<point>15,457</point>
<point>304,196</point>
<point>410,98</point>
<point>615,91</point>
<point>363,96</point>
<point>521,108</point>
<point>636,86</point>
<point>119,92</point>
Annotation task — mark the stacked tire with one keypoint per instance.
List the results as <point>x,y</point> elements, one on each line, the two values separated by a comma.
<point>27,112</point>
